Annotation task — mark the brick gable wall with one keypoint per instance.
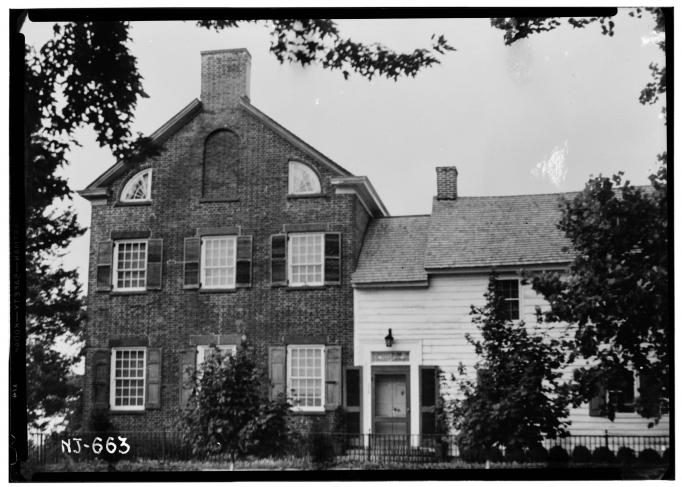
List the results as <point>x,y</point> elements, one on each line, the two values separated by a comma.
<point>168,317</point>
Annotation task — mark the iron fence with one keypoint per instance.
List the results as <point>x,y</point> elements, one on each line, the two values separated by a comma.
<point>172,446</point>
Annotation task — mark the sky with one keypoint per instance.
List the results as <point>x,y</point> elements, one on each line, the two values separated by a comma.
<point>539,116</point>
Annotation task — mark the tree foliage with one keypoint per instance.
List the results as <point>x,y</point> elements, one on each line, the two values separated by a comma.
<point>229,411</point>
<point>306,41</point>
<point>616,287</point>
<point>519,396</point>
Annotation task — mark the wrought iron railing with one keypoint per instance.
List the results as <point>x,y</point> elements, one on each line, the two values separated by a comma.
<point>170,445</point>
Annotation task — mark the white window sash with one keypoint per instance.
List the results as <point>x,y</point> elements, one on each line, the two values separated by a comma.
<point>112,380</point>
<point>290,264</point>
<point>232,283</point>
<point>304,408</point>
<point>117,243</point>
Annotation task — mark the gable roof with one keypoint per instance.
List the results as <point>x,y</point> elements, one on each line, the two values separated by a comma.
<point>464,234</point>
<point>488,231</point>
<point>393,251</point>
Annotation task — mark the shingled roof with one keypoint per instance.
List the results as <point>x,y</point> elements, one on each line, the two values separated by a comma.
<point>490,231</point>
<point>468,232</point>
<point>393,251</point>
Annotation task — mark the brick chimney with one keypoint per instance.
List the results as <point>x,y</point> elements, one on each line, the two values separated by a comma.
<point>446,183</point>
<point>225,78</point>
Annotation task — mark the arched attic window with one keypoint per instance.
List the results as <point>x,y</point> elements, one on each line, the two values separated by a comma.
<point>303,179</point>
<point>138,188</point>
<point>220,165</point>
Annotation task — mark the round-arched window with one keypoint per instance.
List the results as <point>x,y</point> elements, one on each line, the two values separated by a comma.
<point>303,179</point>
<point>138,188</point>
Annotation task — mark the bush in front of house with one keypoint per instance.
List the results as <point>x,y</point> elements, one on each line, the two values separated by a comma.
<point>666,455</point>
<point>558,454</point>
<point>626,456</point>
<point>581,454</point>
<point>515,455</point>
<point>229,411</point>
<point>537,453</point>
<point>320,446</point>
<point>649,455</point>
<point>603,454</point>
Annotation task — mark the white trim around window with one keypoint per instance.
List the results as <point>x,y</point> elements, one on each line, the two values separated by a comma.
<point>306,377</point>
<point>130,265</point>
<point>219,262</point>
<point>128,379</point>
<point>305,259</point>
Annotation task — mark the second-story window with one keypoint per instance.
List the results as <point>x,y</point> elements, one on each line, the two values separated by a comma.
<point>218,262</point>
<point>130,265</point>
<point>306,259</point>
<point>509,289</point>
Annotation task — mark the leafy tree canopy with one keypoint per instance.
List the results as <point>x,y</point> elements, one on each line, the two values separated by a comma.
<point>616,287</point>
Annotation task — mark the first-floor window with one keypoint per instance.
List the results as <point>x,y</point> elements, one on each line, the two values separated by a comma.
<point>218,262</point>
<point>130,265</point>
<point>306,259</point>
<point>305,372</point>
<point>127,378</point>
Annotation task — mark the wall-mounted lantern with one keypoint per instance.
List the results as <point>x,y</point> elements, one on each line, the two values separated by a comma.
<point>389,338</point>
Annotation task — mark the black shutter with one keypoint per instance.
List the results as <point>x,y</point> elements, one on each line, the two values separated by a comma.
<point>278,260</point>
<point>352,399</point>
<point>244,253</point>
<point>332,258</point>
<point>428,399</point>
<point>154,263</point>
<point>105,254</point>
<point>101,366</point>
<point>598,403</point>
<point>192,257</point>
<point>153,379</point>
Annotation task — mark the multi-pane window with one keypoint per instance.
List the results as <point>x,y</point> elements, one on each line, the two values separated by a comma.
<point>303,179</point>
<point>509,290</point>
<point>139,188</point>
<point>306,259</point>
<point>218,258</point>
<point>130,264</point>
<point>127,378</point>
<point>305,372</point>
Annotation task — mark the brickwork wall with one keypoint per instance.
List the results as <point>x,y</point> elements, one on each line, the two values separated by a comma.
<point>169,316</point>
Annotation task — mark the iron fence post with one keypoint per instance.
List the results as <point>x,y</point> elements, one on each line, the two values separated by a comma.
<point>606,438</point>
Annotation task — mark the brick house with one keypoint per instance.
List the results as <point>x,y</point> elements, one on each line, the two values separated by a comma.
<point>419,276</point>
<point>238,229</point>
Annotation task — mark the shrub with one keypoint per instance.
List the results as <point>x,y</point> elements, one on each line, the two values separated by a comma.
<point>558,454</point>
<point>537,453</point>
<point>666,455</point>
<point>649,456</point>
<point>472,455</point>
<point>320,446</point>
<point>626,455</point>
<point>603,455</point>
<point>515,454</point>
<point>581,454</point>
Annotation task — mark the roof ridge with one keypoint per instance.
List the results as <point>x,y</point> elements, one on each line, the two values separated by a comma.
<point>402,216</point>
<point>560,193</point>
